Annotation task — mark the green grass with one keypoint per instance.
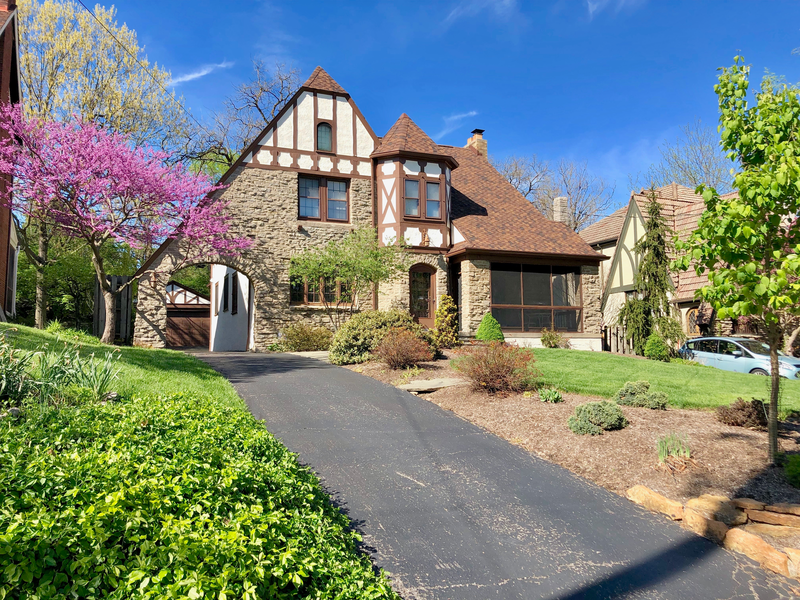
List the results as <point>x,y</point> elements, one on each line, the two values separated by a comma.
<point>144,371</point>
<point>603,374</point>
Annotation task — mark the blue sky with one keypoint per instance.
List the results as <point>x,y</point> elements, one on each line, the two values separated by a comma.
<point>598,80</point>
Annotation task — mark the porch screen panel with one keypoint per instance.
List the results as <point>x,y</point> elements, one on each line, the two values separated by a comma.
<point>536,319</point>
<point>509,318</point>
<point>566,286</point>
<point>536,285</point>
<point>506,284</point>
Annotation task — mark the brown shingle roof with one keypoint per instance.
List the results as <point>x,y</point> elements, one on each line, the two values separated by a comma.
<point>493,216</point>
<point>405,136</point>
<point>605,230</point>
<point>322,82</point>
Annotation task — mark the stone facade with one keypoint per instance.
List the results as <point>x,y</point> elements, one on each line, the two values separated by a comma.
<point>476,289</point>
<point>592,290</point>
<point>264,205</point>
<point>396,293</point>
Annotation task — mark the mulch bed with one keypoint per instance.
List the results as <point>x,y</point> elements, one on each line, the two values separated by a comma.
<point>729,461</point>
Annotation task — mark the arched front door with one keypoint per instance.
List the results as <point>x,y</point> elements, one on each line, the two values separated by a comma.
<point>423,294</point>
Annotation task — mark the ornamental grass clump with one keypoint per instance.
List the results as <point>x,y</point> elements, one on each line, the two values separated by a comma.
<point>593,418</point>
<point>498,367</point>
<point>489,330</point>
<point>673,445</point>
<point>401,348</point>
<point>638,394</point>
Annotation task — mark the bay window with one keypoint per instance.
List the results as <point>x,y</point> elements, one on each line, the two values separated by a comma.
<point>411,196</point>
<point>535,297</point>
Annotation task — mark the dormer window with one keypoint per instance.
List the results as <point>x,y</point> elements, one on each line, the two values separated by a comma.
<point>412,198</point>
<point>324,138</point>
<point>433,203</point>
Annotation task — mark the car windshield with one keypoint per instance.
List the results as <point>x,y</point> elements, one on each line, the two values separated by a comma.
<point>757,347</point>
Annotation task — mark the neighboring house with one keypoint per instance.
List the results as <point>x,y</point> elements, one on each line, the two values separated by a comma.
<point>616,235</point>
<point>318,170</point>
<point>188,316</point>
<point>9,92</point>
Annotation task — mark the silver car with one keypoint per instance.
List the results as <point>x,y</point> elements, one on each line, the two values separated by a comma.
<point>742,355</point>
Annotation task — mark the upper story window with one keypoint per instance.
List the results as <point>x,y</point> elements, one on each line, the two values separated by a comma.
<point>324,138</point>
<point>323,199</point>
<point>422,199</point>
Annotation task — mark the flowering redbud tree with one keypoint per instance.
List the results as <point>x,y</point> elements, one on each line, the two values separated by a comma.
<point>95,186</point>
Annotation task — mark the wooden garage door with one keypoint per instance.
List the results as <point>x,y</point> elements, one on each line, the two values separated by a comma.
<point>188,327</point>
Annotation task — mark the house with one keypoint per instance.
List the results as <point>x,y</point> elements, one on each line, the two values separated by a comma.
<point>616,235</point>
<point>188,316</point>
<point>318,170</point>
<point>9,92</point>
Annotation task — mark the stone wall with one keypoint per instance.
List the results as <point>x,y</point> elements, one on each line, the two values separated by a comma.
<point>264,208</point>
<point>476,289</point>
<point>396,293</point>
<point>592,311</point>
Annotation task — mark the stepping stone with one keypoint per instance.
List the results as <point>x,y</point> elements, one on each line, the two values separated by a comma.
<point>430,385</point>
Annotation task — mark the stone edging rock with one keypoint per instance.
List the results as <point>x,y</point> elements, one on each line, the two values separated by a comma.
<point>721,519</point>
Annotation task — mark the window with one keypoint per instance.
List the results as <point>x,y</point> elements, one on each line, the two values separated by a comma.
<point>324,138</point>
<point>304,292</point>
<point>411,198</point>
<point>337,200</point>
<point>309,198</point>
<point>433,204</point>
<point>706,346</point>
<point>534,297</point>
<point>323,199</point>
<point>692,328</point>
<point>225,294</point>
<point>234,293</point>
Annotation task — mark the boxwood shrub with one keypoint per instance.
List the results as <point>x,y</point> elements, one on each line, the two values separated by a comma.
<point>176,497</point>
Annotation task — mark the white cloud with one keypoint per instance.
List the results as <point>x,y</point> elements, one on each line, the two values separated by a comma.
<point>452,123</point>
<point>596,6</point>
<point>201,72</point>
<point>470,8</point>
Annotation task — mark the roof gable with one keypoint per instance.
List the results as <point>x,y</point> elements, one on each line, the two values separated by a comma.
<point>320,81</point>
<point>406,137</point>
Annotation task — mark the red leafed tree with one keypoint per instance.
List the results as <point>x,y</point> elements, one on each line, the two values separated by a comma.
<point>97,187</point>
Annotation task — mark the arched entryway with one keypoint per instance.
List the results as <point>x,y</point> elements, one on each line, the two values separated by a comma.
<point>422,290</point>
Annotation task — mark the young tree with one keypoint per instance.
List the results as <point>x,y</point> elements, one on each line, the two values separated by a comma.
<point>589,196</point>
<point>650,309</point>
<point>97,188</point>
<point>748,244</point>
<point>347,270</point>
<point>70,65</point>
<point>694,158</point>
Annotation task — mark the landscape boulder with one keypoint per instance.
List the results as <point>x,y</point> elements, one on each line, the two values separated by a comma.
<point>718,508</point>
<point>773,518</point>
<point>654,501</point>
<point>708,528</point>
<point>760,551</point>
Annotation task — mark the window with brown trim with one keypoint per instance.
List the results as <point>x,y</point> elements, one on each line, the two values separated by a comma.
<point>234,293</point>
<point>323,199</point>
<point>411,197</point>
<point>422,198</point>
<point>324,137</point>
<point>534,297</point>
<point>433,202</point>
<point>304,292</point>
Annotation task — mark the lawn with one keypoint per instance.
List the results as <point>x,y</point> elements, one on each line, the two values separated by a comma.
<point>602,374</point>
<point>173,491</point>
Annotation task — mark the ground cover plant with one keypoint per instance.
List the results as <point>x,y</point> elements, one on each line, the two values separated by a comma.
<point>400,348</point>
<point>165,495</point>
<point>638,394</point>
<point>498,367</point>
<point>687,386</point>
<point>550,395</point>
<point>300,337</point>
<point>593,418</point>
<point>743,414</point>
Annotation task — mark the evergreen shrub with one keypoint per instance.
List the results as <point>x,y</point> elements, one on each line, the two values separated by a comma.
<point>355,341</point>
<point>656,348</point>
<point>489,330</point>
<point>638,394</point>
<point>301,337</point>
<point>593,418</point>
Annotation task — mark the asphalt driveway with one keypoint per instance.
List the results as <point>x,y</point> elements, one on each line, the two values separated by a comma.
<point>452,511</point>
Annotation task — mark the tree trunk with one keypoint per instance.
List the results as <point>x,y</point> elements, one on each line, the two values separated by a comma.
<point>787,346</point>
<point>41,285</point>
<point>772,418</point>
<point>109,331</point>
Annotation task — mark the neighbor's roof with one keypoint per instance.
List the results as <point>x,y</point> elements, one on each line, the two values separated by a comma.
<point>406,137</point>
<point>320,81</point>
<point>494,217</point>
<point>605,230</point>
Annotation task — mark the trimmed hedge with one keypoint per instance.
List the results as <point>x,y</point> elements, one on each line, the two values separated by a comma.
<point>179,497</point>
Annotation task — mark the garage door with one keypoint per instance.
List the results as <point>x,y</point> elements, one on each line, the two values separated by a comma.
<point>188,327</point>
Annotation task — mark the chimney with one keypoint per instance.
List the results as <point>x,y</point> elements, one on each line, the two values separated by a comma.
<point>7,5</point>
<point>561,209</point>
<point>477,142</point>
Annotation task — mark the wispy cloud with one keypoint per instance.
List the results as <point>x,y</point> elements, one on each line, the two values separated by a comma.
<point>201,72</point>
<point>452,123</point>
<point>470,8</point>
<point>597,6</point>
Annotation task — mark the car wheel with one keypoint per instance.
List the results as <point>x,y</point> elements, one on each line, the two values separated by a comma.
<point>758,372</point>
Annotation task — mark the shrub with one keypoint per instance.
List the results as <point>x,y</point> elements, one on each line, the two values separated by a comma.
<point>791,468</point>
<point>593,418</point>
<point>550,395</point>
<point>638,394</point>
<point>300,337</point>
<point>673,444</point>
<point>498,367</point>
<point>400,348</point>
<point>358,337</point>
<point>445,332</point>
<point>489,330</point>
<point>171,497</point>
<point>743,414</point>
<point>552,339</point>
<point>656,348</point>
